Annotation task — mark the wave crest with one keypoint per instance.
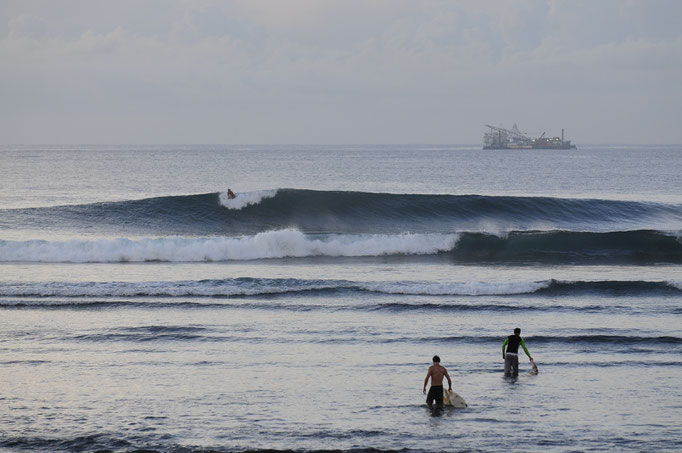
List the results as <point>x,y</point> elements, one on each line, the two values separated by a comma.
<point>271,244</point>
<point>245,199</point>
<point>249,213</point>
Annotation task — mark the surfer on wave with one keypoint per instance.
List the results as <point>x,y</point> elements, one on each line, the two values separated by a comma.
<point>230,194</point>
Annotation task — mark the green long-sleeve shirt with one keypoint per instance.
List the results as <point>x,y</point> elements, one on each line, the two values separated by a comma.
<point>521,343</point>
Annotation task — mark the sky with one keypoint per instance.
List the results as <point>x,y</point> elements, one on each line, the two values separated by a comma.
<point>338,71</point>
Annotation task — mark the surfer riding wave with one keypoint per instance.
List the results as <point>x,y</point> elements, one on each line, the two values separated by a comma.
<point>231,200</point>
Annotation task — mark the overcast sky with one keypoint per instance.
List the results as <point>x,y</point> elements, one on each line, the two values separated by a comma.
<point>342,71</point>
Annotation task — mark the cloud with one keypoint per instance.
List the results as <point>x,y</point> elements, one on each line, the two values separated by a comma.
<point>27,26</point>
<point>336,71</point>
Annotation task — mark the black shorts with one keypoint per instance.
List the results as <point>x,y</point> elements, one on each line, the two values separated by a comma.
<point>435,393</point>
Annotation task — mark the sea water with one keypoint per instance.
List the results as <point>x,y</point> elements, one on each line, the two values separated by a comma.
<point>140,309</point>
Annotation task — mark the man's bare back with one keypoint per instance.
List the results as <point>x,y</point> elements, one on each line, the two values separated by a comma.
<point>437,372</point>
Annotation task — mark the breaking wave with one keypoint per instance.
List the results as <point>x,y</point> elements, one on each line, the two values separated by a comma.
<point>634,247</point>
<point>271,244</point>
<point>304,223</point>
<point>245,199</point>
<point>347,212</point>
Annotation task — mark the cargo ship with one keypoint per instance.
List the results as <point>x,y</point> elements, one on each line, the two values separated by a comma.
<point>499,138</point>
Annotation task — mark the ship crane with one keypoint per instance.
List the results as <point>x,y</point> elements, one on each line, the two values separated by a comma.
<point>500,138</point>
<point>514,132</point>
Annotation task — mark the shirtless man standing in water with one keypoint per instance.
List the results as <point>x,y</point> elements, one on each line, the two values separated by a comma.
<point>436,373</point>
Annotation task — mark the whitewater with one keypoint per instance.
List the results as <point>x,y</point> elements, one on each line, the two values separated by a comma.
<point>144,310</point>
<point>243,200</point>
<point>269,244</point>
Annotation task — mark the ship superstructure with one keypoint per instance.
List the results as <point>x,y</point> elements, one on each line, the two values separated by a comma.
<point>499,138</point>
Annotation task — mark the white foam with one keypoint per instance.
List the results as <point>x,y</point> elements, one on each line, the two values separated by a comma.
<point>271,244</point>
<point>244,199</point>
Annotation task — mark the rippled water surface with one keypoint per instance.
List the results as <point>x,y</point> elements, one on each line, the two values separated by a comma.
<point>142,310</point>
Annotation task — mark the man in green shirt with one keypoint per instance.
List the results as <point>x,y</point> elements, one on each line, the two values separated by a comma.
<point>511,354</point>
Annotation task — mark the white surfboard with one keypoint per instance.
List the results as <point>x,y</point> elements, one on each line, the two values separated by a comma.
<point>450,398</point>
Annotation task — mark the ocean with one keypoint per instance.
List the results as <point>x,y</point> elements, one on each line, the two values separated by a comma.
<point>141,310</point>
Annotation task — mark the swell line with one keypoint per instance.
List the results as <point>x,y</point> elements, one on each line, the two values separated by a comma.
<point>347,212</point>
<point>259,287</point>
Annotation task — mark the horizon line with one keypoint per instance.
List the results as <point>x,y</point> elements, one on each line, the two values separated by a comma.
<point>321,144</point>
